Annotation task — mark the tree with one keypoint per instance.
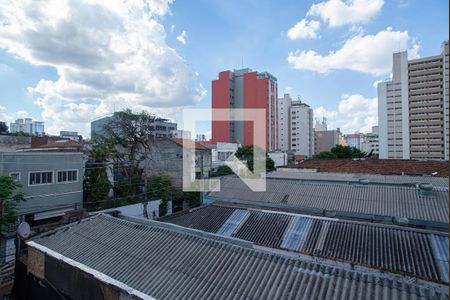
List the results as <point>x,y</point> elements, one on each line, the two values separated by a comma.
<point>246,153</point>
<point>96,185</point>
<point>3,128</point>
<point>325,155</point>
<point>340,151</point>
<point>9,200</point>
<point>160,187</point>
<point>347,152</point>
<point>129,138</point>
<point>222,171</point>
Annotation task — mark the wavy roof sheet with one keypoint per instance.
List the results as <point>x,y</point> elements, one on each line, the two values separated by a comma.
<point>170,263</point>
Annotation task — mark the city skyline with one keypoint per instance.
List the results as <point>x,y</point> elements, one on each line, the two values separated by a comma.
<point>67,86</point>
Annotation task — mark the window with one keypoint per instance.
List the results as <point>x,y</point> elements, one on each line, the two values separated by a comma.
<point>38,178</point>
<point>15,176</point>
<point>67,176</point>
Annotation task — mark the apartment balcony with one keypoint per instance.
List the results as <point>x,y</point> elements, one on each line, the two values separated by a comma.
<point>415,79</point>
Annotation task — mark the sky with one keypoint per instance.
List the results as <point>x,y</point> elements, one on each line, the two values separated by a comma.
<point>68,62</point>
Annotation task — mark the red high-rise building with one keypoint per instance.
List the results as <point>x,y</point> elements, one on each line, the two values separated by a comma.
<point>245,89</point>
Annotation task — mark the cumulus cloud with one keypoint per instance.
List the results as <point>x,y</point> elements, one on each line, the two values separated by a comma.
<point>104,52</point>
<point>182,37</point>
<point>338,12</point>
<point>370,54</point>
<point>355,114</point>
<point>304,29</point>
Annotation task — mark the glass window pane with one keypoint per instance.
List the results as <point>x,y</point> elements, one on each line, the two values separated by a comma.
<point>64,176</point>
<point>69,176</point>
<point>44,177</point>
<point>75,174</point>
<point>50,177</point>
<point>38,178</point>
<point>32,178</point>
<point>59,176</point>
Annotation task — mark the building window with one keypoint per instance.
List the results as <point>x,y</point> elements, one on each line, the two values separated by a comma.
<point>67,176</point>
<point>15,176</point>
<point>38,178</point>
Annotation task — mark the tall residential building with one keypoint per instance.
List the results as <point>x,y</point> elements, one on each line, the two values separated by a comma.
<point>301,129</point>
<point>325,139</point>
<point>413,108</point>
<point>245,89</point>
<point>284,133</point>
<point>28,126</point>
<point>354,139</point>
<point>370,142</point>
<point>162,127</point>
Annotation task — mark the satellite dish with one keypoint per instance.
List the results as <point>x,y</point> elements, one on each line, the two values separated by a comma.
<point>24,230</point>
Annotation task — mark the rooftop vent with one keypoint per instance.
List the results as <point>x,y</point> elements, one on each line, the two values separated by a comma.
<point>363,181</point>
<point>426,188</point>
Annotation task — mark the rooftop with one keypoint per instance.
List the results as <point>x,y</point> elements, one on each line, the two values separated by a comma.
<point>408,205</point>
<point>438,182</point>
<point>418,253</point>
<point>165,261</point>
<point>198,146</point>
<point>376,166</point>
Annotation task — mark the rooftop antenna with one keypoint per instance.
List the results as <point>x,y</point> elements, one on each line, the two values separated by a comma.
<point>242,62</point>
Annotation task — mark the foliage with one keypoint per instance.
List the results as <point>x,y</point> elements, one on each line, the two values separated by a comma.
<point>9,200</point>
<point>347,152</point>
<point>96,185</point>
<point>128,138</point>
<point>3,128</point>
<point>246,153</point>
<point>222,171</point>
<point>160,187</point>
<point>325,155</point>
<point>340,151</point>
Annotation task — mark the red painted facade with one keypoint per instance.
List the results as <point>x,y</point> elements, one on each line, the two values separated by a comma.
<point>221,99</point>
<point>257,93</point>
<point>255,96</point>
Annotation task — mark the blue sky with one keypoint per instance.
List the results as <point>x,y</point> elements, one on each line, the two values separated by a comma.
<point>68,62</point>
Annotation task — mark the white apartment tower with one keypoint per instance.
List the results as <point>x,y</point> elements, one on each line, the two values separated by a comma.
<point>302,129</point>
<point>295,126</point>
<point>284,133</point>
<point>413,108</point>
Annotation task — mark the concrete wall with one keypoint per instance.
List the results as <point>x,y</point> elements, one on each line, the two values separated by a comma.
<point>167,159</point>
<point>10,143</point>
<point>46,198</point>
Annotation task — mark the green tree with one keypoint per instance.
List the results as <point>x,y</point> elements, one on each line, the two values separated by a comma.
<point>222,171</point>
<point>96,184</point>
<point>160,187</point>
<point>347,152</point>
<point>129,137</point>
<point>246,153</point>
<point>325,155</point>
<point>340,151</point>
<point>3,128</point>
<point>9,200</point>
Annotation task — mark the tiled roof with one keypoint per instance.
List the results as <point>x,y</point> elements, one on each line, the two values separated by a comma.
<point>422,254</point>
<point>376,166</point>
<point>179,142</point>
<point>350,200</point>
<point>164,262</point>
<point>61,144</point>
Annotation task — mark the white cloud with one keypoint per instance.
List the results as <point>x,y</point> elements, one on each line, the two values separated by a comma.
<point>363,53</point>
<point>172,28</point>
<point>338,12</point>
<point>355,114</point>
<point>104,52</point>
<point>182,37</point>
<point>304,29</point>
